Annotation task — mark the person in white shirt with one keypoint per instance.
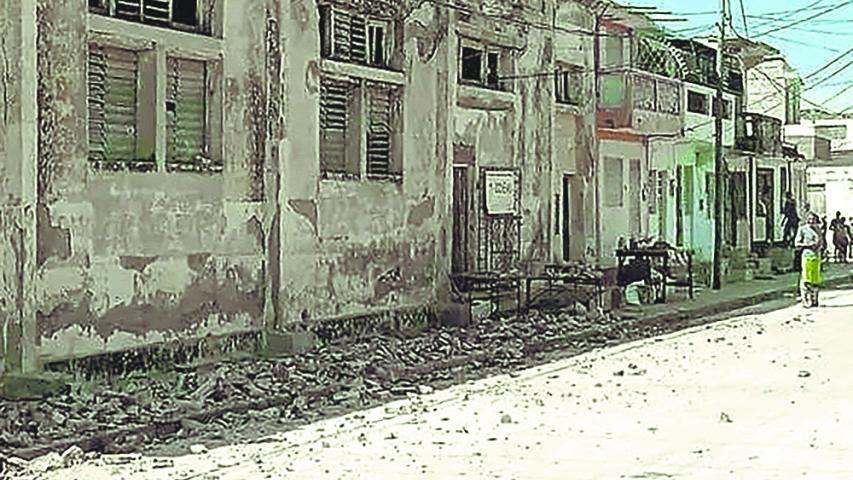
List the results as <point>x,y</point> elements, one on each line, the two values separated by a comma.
<point>811,243</point>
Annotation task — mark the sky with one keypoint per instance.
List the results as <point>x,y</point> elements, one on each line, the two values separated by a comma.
<point>808,46</point>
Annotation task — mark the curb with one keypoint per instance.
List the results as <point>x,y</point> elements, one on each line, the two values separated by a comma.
<point>736,304</point>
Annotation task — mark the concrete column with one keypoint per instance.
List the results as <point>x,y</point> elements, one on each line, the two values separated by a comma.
<point>18,151</point>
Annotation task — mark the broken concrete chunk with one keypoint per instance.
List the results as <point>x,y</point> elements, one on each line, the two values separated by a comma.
<point>74,455</point>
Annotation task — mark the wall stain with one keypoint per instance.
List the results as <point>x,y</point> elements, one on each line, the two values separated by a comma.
<point>422,212</point>
<point>138,263</point>
<point>205,297</point>
<point>305,208</point>
<point>53,242</point>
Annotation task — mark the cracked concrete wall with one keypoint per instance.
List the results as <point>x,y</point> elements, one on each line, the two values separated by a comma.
<point>126,259</point>
<point>354,247</point>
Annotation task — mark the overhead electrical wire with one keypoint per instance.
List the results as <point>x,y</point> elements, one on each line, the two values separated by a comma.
<point>743,17</point>
<point>803,20</point>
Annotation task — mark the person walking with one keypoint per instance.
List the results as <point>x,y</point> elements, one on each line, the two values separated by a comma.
<point>842,239</point>
<point>809,240</point>
<point>836,226</point>
<point>790,220</point>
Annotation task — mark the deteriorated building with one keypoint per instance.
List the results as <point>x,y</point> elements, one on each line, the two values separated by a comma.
<point>179,170</point>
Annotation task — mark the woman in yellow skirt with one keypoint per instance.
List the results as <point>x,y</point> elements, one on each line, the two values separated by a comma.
<point>810,241</point>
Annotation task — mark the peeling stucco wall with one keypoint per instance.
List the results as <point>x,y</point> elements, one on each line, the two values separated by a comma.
<point>513,129</point>
<point>352,247</point>
<point>126,259</point>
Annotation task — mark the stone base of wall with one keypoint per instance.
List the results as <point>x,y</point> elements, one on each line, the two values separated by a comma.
<point>357,326</point>
<point>186,354</point>
<point>163,356</point>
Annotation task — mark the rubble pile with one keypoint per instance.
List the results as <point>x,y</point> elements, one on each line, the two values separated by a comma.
<point>330,379</point>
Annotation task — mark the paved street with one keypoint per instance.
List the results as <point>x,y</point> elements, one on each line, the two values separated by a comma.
<point>754,397</point>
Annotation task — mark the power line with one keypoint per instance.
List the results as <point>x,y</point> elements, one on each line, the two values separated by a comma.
<point>803,20</point>
<point>831,63</point>
<point>801,43</point>
<point>840,92</point>
<point>824,79</point>
<point>743,17</point>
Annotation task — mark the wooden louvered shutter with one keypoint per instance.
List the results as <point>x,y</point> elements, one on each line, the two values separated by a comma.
<point>129,9</point>
<point>379,103</point>
<point>186,136</point>
<point>112,107</point>
<point>157,12</point>
<point>341,26</point>
<point>334,100</point>
<point>358,39</point>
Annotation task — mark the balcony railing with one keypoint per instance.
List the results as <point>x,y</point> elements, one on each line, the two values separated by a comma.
<point>631,97</point>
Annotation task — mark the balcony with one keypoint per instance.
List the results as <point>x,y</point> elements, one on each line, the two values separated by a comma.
<point>700,66</point>
<point>759,134</point>
<point>641,101</point>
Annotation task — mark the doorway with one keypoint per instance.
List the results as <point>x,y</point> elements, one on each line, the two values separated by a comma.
<point>460,260</point>
<point>765,208</point>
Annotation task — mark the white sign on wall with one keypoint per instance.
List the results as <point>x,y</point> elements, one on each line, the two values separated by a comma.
<point>501,192</point>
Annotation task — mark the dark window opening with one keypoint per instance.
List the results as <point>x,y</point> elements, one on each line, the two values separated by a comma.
<point>176,14</point>
<point>697,102</point>
<point>472,64</point>
<point>376,35</point>
<point>185,12</point>
<point>325,31</point>
<point>727,109</point>
<point>492,79</point>
<point>568,87</point>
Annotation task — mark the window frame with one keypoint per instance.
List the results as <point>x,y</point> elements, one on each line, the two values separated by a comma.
<point>358,125</point>
<point>486,51</point>
<point>706,108</point>
<point>329,14</point>
<point>563,82</point>
<point>203,26</point>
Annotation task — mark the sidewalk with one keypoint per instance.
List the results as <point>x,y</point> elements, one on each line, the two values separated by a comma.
<point>708,302</point>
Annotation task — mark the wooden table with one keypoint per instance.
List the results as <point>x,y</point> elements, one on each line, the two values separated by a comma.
<point>556,273</point>
<point>490,282</point>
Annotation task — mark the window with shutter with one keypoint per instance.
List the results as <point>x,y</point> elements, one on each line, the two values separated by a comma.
<point>335,98</point>
<point>179,14</point>
<point>379,130</point>
<point>351,37</point>
<point>186,116</point>
<point>112,109</point>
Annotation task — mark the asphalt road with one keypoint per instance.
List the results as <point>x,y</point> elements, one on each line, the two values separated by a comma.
<point>765,395</point>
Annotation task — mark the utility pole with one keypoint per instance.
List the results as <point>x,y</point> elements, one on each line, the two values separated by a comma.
<point>596,155</point>
<point>716,273</point>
